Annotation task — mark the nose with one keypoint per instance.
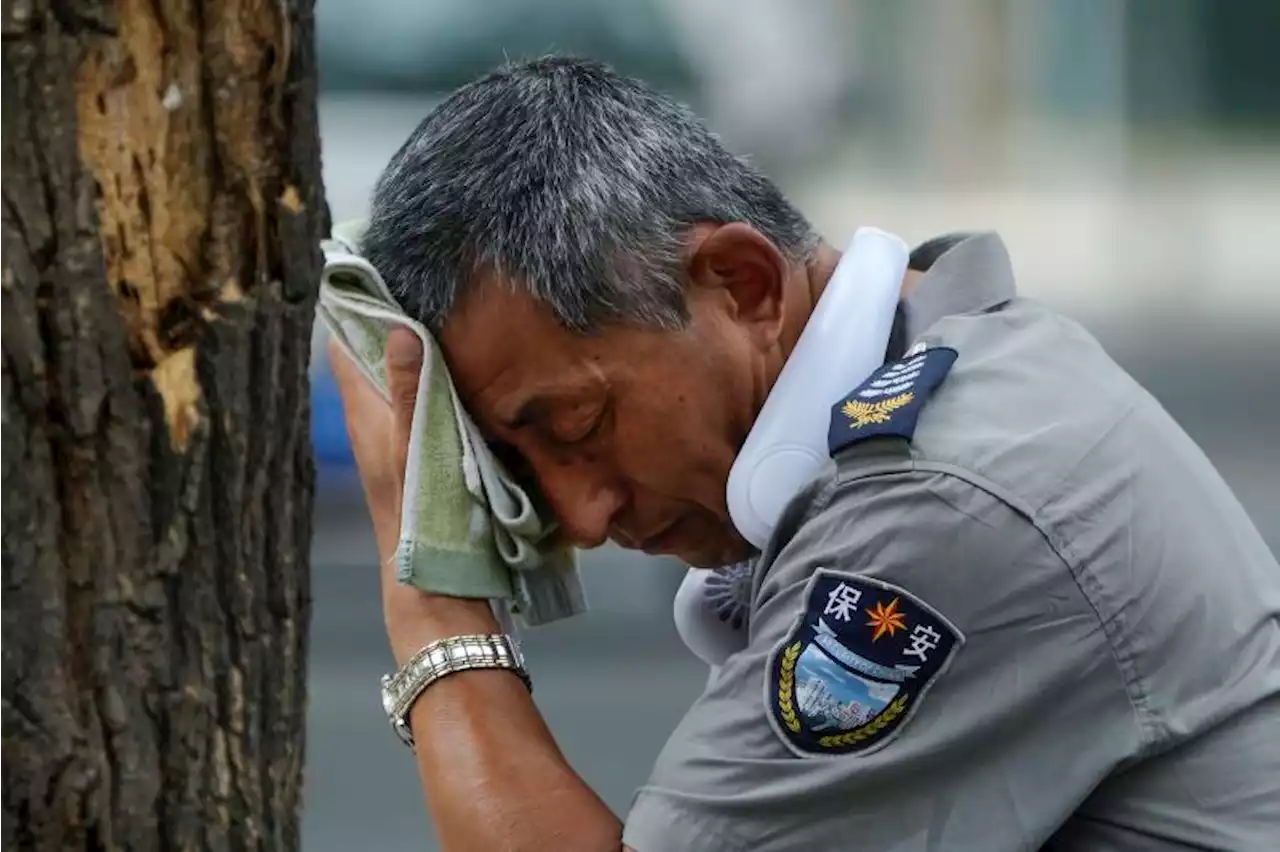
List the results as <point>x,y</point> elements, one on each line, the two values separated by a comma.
<point>585,501</point>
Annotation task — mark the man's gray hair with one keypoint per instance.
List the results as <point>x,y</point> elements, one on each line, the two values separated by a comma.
<point>571,181</point>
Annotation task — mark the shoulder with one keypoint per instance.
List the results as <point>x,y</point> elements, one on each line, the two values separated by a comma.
<point>943,531</point>
<point>889,401</point>
<point>1017,397</point>
<point>920,579</point>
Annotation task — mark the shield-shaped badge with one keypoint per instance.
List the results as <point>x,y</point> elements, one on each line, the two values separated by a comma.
<point>856,665</point>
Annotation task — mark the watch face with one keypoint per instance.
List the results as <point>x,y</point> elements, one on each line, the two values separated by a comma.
<point>388,700</point>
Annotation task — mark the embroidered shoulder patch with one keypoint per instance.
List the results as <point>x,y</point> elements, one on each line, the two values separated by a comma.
<point>890,400</point>
<point>856,666</point>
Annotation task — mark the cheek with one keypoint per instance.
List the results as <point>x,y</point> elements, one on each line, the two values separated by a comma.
<point>674,445</point>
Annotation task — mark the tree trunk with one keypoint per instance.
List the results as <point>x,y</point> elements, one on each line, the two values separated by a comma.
<point>162,207</point>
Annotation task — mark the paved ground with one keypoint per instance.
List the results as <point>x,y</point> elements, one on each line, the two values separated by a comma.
<point>614,683</point>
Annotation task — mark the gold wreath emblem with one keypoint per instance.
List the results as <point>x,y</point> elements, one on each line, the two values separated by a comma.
<point>787,688</point>
<point>848,738</point>
<point>863,413</point>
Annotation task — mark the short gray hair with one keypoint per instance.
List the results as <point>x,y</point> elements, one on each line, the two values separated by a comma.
<point>571,181</point>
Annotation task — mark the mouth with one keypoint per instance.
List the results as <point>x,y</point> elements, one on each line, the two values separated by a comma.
<point>663,541</point>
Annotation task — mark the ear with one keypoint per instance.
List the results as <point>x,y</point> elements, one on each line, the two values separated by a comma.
<point>742,269</point>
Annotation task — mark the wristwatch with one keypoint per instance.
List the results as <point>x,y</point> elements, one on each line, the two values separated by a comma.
<point>444,657</point>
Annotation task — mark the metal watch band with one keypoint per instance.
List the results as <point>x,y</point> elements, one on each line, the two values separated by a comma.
<point>444,657</point>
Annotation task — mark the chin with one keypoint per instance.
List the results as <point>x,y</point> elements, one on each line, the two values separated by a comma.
<point>719,554</point>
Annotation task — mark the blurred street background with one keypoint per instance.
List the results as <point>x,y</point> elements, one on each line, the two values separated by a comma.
<point>1126,151</point>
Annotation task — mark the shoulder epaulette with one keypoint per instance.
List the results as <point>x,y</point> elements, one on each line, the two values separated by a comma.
<point>890,400</point>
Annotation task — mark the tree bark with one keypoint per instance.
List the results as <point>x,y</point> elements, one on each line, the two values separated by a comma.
<point>162,211</point>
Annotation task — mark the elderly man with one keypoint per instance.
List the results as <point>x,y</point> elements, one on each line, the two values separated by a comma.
<point>1027,614</point>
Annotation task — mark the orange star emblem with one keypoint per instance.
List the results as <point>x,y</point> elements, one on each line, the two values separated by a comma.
<point>886,619</point>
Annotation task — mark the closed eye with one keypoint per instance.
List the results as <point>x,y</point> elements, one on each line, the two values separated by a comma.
<point>584,435</point>
<point>586,432</point>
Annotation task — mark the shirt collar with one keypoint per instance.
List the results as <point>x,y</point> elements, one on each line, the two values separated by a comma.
<point>965,273</point>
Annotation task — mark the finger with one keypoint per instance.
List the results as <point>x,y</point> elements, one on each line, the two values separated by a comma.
<point>404,367</point>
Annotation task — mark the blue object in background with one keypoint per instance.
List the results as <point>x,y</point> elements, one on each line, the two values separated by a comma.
<point>328,428</point>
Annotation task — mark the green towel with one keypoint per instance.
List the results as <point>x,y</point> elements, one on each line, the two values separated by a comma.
<point>467,528</point>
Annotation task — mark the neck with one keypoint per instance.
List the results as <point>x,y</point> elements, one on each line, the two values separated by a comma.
<point>802,297</point>
<point>812,282</point>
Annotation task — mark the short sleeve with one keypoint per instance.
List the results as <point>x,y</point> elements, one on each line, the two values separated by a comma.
<point>923,672</point>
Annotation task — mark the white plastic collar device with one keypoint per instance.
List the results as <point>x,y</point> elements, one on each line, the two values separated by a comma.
<point>842,343</point>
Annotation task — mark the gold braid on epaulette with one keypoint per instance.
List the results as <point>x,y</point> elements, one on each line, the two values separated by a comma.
<point>848,738</point>
<point>787,688</point>
<point>881,411</point>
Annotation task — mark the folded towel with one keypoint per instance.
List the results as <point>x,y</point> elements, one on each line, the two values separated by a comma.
<point>467,528</point>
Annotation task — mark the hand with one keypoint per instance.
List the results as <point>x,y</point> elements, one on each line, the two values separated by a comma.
<point>379,434</point>
<point>379,431</point>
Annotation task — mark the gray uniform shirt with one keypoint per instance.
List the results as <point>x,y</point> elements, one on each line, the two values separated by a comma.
<point>1078,623</point>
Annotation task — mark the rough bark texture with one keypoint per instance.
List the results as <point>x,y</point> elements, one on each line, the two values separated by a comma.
<point>162,206</point>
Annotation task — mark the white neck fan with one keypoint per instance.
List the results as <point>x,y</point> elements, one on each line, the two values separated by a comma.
<point>842,343</point>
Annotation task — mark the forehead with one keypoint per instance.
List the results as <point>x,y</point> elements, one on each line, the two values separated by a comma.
<point>501,343</point>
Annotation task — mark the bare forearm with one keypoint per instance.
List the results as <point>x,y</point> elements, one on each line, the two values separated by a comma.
<point>492,773</point>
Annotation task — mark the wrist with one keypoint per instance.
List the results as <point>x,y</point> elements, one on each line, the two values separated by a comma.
<point>416,618</point>
<point>402,690</point>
